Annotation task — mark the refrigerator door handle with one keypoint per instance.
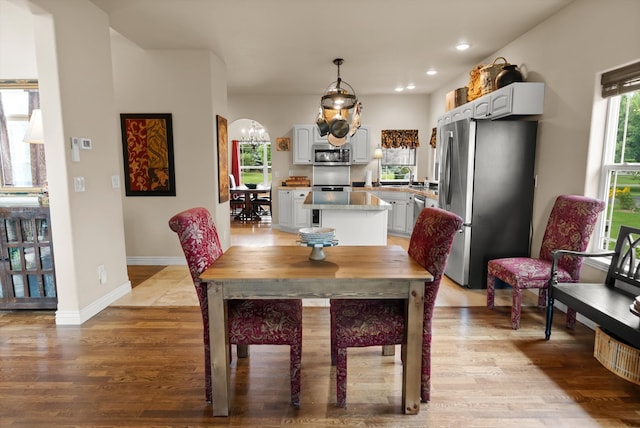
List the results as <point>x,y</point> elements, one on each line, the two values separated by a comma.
<point>447,166</point>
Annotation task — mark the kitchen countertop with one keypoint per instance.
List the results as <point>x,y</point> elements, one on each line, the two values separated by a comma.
<point>401,188</point>
<point>352,201</point>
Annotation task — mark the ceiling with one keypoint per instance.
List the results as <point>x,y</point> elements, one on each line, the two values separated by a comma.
<point>287,46</point>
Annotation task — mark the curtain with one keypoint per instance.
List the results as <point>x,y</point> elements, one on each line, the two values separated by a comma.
<point>400,138</point>
<point>7,178</point>
<point>38,164</point>
<point>235,161</point>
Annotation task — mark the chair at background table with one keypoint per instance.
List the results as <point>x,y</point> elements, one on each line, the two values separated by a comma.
<point>237,200</point>
<point>260,203</point>
<point>569,227</point>
<point>372,322</point>
<point>251,322</point>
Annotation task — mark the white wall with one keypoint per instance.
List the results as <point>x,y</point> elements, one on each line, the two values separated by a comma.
<point>180,83</point>
<point>76,93</point>
<point>567,52</point>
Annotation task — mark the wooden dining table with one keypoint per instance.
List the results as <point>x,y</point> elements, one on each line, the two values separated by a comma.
<point>248,211</point>
<point>276,272</point>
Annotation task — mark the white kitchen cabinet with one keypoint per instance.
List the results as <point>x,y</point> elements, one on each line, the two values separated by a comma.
<point>301,215</point>
<point>285,211</point>
<point>360,145</point>
<point>400,219</point>
<point>302,142</point>
<point>520,98</point>
<point>292,215</point>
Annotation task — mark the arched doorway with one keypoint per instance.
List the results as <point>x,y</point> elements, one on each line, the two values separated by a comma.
<point>250,151</point>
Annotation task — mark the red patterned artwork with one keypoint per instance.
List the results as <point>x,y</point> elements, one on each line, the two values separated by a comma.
<point>148,154</point>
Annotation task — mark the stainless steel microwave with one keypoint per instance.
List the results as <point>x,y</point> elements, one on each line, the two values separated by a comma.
<point>328,155</point>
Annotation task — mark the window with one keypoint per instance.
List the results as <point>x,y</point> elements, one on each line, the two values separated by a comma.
<point>398,164</point>
<point>255,162</point>
<point>22,165</point>
<point>398,154</point>
<point>620,179</point>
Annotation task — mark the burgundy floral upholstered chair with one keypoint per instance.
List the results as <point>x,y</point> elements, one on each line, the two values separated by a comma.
<point>371,322</point>
<point>251,322</point>
<point>570,225</point>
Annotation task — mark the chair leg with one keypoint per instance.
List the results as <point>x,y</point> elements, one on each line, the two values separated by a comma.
<point>516,307</point>
<point>542,298</point>
<point>341,377</point>
<point>333,337</point>
<point>295,368</point>
<point>571,318</point>
<point>425,382</point>
<point>242,350</point>
<point>491,290</point>
<point>388,350</point>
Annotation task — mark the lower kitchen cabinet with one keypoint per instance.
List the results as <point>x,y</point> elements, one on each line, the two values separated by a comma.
<point>400,219</point>
<point>291,214</point>
<point>27,274</point>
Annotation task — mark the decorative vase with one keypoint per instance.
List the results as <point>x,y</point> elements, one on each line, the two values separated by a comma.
<point>509,74</point>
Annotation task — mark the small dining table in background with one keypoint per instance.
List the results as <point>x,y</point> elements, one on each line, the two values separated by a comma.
<point>248,212</point>
<point>276,272</point>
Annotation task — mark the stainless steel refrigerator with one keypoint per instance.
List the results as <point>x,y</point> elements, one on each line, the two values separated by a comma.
<point>487,178</point>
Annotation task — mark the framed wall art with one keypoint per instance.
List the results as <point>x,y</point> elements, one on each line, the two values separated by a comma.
<point>283,144</point>
<point>147,144</point>
<point>223,160</point>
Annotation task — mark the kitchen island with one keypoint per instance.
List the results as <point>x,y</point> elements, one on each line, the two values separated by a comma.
<point>359,218</point>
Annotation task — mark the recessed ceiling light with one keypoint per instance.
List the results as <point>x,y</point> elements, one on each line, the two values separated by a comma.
<point>399,89</point>
<point>463,46</point>
<point>411,86</point>
<point>432,72</point>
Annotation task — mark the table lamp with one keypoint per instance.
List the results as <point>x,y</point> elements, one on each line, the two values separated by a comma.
<point>377,154</point>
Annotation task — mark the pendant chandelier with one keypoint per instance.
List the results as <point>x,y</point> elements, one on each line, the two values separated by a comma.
<point>340,110</point>
<point>255,135</point>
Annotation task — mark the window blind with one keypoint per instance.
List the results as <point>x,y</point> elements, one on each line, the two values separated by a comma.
<point>621,80</point>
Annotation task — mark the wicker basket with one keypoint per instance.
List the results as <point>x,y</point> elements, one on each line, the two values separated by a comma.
<point>474,88</point>
<point>618,357</point>
<point>488,75</point>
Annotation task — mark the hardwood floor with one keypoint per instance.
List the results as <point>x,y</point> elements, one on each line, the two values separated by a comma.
<point>143,367</point>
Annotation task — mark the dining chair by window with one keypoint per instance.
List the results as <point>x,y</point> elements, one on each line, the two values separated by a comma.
<point>262,205</point>
<point>251,322</point>
<point>570,224</point>
<point>377,322</point>
<point>236,201</point>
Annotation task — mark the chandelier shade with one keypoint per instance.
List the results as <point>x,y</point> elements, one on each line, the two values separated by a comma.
<point>340,109</point>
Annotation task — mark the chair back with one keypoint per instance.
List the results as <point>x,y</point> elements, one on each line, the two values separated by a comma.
<point>199,239</point>
<point>232,181</point>
<point>570,225</point>
<point>431,240</point>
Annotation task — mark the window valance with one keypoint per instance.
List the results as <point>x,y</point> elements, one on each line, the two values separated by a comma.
<point>400,138</point>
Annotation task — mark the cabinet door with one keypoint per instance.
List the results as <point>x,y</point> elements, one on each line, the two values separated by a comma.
<point>399,216</point>
<point>285,208</point>
<point>302,141</point>
<point>301,215</point>
<point>360,145</point>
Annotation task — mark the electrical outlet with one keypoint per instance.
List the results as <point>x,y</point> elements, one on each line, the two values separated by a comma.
<point>115,181</point>
<point>102,274</point>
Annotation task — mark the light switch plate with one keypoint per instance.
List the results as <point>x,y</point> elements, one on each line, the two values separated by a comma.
<point>85,143</point>
<point>78,184</point>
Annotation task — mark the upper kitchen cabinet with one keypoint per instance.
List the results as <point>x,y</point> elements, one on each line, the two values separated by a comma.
<point>360,145</point>
<point>305,136</point>
<point>521,98</point>
<point>302,142</point>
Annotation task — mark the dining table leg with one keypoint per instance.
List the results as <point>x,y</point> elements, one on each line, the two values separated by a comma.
<point>219,345</point>
<point>411,369</point>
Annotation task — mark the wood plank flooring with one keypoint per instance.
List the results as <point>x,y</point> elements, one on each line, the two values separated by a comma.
<point>143,367</point>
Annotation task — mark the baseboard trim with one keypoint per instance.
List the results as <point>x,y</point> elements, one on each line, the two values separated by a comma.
<point>79,317</point>
<point>155,261</point>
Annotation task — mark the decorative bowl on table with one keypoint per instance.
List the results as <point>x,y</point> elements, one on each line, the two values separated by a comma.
<point>251,186</point>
